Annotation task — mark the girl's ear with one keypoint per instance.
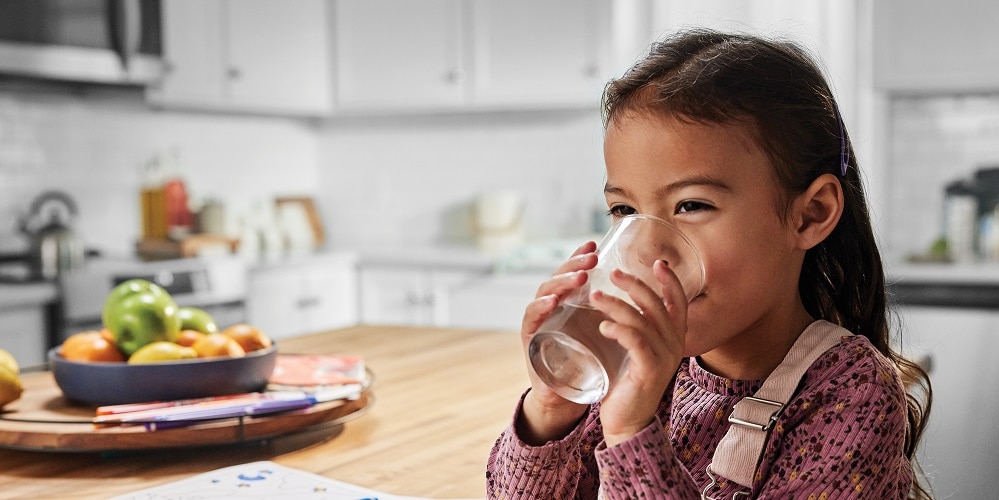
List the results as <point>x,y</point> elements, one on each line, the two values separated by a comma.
<point>817,210</point>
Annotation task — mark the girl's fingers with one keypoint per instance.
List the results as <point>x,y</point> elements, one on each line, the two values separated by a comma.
<point>650,329</point>
<point>588,247</point>
<point>560,284</point>
<point>536,312</point>
<point>673,294</point>
<point>648,301</point>
<point>582,259</point>
<point>571,274</point>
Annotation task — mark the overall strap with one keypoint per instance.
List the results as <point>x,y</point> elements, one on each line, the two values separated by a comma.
<point>740,448</point>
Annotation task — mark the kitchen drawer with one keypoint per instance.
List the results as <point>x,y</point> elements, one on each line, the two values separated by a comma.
<point>416,295</point>
<point>303,296</point>
<point>493,302</point>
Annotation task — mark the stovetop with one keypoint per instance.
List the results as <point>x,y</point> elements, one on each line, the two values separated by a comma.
<point>192,282</point>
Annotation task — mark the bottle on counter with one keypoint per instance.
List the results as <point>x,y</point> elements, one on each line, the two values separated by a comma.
<point>961,222</point>
<point>988,235</point>
<point>152,202</point>
<point>179,220</point>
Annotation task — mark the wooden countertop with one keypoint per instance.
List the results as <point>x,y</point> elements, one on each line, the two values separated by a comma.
<point>442,396</point>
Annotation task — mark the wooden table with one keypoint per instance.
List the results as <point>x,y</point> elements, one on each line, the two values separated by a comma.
<point>442,396</point>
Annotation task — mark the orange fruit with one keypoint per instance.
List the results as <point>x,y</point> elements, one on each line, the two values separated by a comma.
<point>214,345</point>
<point>187,338</point>
<point>249,337</point>
<point>92,346</point>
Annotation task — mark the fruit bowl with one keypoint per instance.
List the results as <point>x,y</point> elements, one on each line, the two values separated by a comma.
<point>101,384</point>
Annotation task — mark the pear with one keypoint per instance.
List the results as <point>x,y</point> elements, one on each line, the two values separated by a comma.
<point>10,383</point>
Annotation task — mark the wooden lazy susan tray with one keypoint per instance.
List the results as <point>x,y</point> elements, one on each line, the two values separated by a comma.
<point>43,420</point>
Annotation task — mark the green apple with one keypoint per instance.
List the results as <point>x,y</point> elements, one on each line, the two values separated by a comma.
<point>139,312</point>
<point>192,318</point>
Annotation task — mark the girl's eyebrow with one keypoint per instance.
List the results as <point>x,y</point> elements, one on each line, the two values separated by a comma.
<point>700,180</point>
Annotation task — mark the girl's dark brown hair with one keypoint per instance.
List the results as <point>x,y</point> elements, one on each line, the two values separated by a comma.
<point>710,77</point>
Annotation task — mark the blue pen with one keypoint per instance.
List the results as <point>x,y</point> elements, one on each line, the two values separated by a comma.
<point>195,416</point>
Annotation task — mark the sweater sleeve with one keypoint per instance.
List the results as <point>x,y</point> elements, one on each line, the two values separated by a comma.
<point>563,468</point>
<point>644,466</point>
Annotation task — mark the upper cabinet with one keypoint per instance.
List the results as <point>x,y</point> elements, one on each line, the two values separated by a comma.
<point>329,57</point>
<point>538,53</point>
<point>930,46</point>
<point>432,55</point>
<point>398,54</point>
<point>258,56</point>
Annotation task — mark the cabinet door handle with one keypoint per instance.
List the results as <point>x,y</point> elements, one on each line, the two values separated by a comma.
<point>307,302</point>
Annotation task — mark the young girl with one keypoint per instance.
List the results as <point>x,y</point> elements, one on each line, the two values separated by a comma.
<point>736,140</point>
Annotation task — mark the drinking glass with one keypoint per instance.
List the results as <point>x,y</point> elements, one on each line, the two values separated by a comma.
<point>568,352</point>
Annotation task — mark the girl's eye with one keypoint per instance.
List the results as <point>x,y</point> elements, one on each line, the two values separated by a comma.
<point>621,211</point>
<point>690,206</point>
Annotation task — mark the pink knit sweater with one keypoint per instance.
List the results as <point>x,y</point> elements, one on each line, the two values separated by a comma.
<point>841,436</point>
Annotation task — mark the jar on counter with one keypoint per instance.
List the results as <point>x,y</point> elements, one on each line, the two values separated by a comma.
<point>988,235</point>
<point>961,222</point>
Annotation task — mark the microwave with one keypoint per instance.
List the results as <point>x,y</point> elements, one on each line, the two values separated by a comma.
<point>92,41</point>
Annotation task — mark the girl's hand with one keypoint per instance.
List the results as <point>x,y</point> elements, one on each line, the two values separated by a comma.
<point>654,337</point>
<point>546,415</point>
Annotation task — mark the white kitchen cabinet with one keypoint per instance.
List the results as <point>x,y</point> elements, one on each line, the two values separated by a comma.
<point>538,53</point>
<point>255,56</point>
<point>926,45</point>
<point>960,448</point>
<point>303,296</point>
<point>23,333</point>
<point>494,302</point>
<point>410,295</point>
<point>397,55</point>
<point>23,323</point>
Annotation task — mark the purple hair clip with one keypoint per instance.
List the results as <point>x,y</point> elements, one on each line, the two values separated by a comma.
<point>844,153</point>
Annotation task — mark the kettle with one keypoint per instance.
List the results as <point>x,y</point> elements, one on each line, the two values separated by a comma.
<point>55,248</point>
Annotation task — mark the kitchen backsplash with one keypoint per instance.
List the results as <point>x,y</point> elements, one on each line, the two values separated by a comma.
<point>935,140</point>
<point>387,180</point>
<point>411,180</point>
<point>94,147</point>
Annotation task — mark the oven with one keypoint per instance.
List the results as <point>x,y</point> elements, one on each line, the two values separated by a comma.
<point>217,285</point>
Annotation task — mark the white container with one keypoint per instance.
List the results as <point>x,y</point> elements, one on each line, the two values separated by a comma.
<point>962,227</point>
<point>498,221</point>
<point>988,236</point>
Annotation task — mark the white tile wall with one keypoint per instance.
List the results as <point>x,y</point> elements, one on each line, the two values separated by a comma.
<point>388,180</point>
<point>407,180</point>
<point>934,140</point>
<point>410,180</point>
<point>94,146</point>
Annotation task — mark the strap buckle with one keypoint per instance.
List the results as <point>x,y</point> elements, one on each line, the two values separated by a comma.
<point>714,482</point>
<point>773,407</point>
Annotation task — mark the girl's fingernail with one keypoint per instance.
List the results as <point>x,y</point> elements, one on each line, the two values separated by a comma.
<point>604,326</point>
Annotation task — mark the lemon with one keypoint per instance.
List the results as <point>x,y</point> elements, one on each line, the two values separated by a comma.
<point>161,351</point>
<point>7,360</point>
<point>10,384</point>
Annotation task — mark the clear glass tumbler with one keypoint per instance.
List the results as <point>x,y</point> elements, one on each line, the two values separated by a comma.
<point>568,352</point>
